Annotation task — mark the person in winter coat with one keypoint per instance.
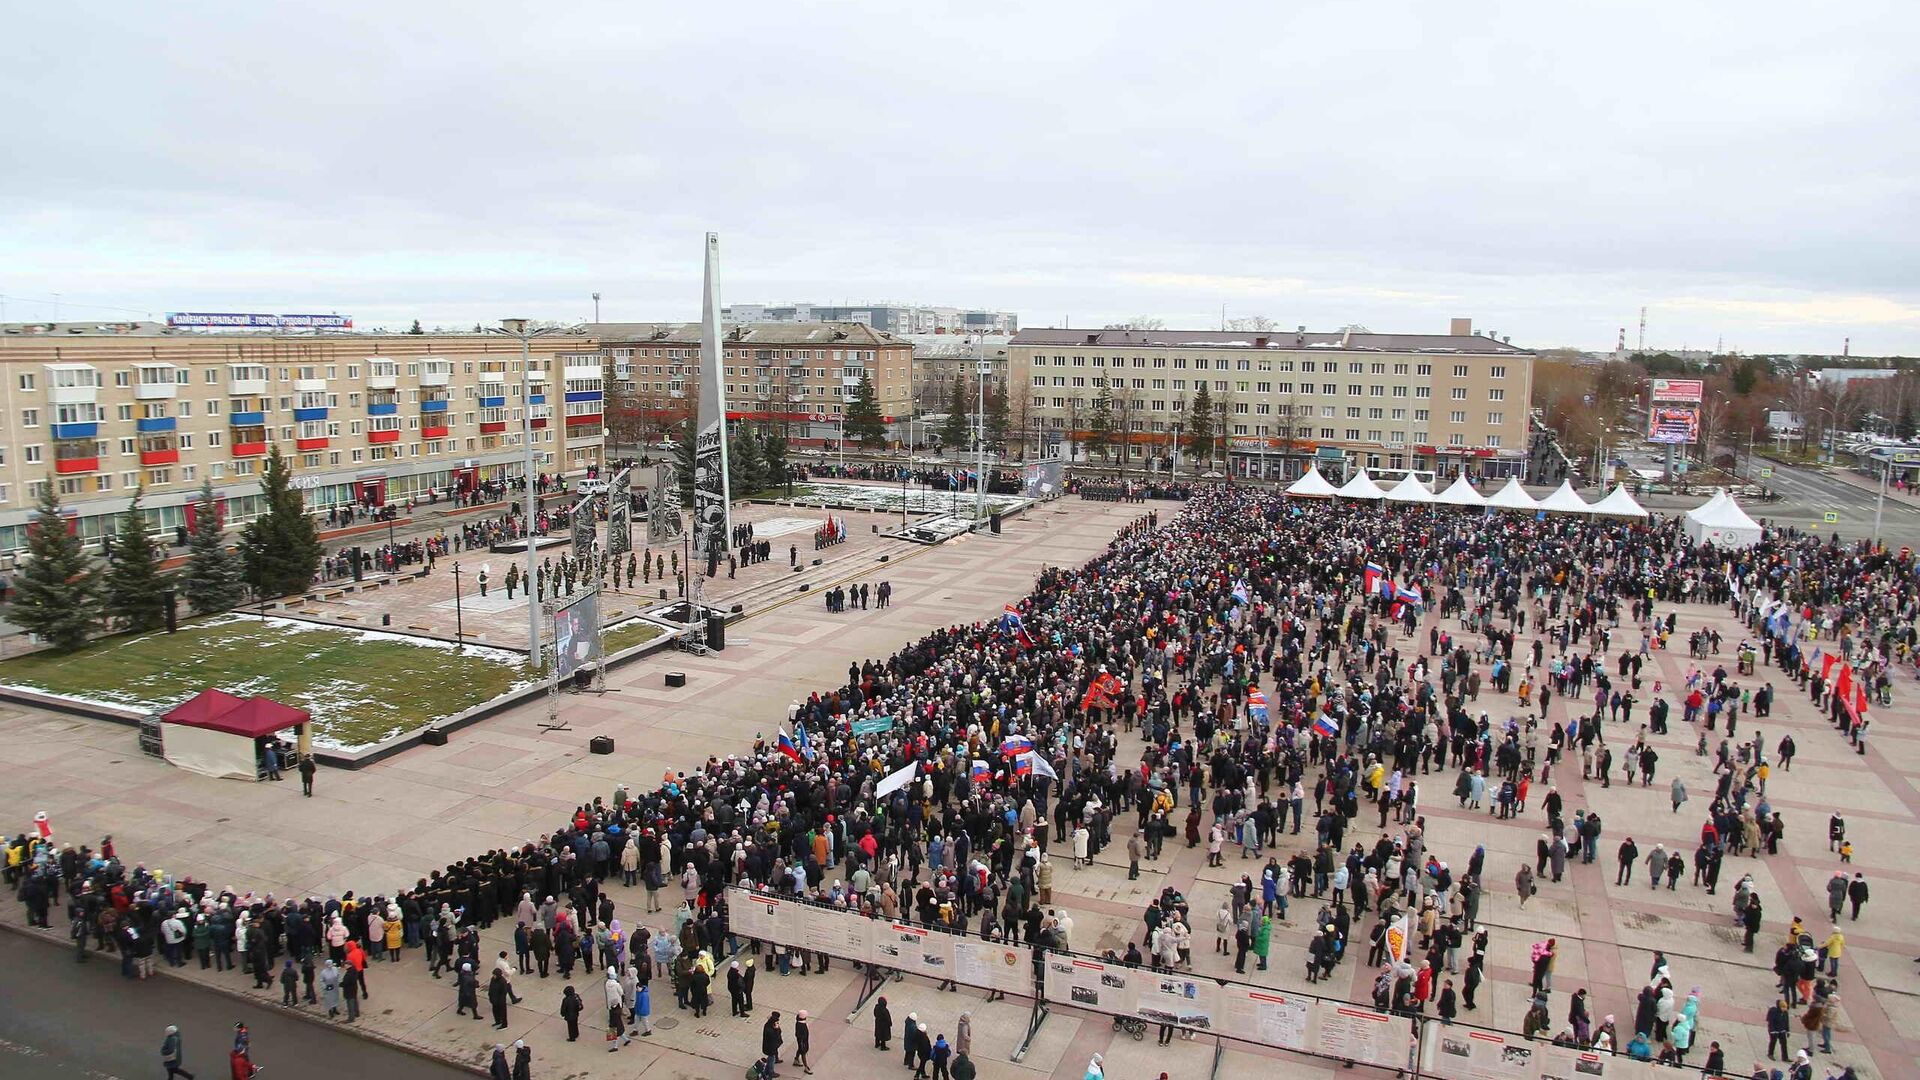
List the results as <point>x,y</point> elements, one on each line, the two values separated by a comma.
<point>466,987</point>
<point>497,998</point>
<point>771,1040</point>
<point>171,1054</point>
<point>882,1025</point>
<point>1263,940</point>
<point>498,1069</point>
<point>616,1002</point>
<point>330,988</point>
<point>570,1009</point>
<point>963,1034</point>
<point>643,1009</point>
<point>802,1039</point>
<point>522,1060</point>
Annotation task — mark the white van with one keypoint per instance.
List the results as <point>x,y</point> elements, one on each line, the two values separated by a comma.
<point>589,486</point>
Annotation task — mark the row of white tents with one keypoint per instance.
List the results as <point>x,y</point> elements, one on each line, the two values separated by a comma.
<point>1720,520</point>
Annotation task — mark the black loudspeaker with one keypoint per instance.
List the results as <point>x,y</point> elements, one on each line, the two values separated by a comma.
<point>173,615</point>
<point>993,523</point>
<point>600,744</point>
<point>676,678</point>
<point>434,736</point>
<point>716,632</point>
<point>358,568</point>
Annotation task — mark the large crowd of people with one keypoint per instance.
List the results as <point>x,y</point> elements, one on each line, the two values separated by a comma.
<point>1204,679</point>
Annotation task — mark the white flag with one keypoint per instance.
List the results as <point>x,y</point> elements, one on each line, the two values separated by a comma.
<point>897,780</point>
<point>1040,766</point>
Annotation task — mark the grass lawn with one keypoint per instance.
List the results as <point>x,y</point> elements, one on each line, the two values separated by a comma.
<point>360,686</point>
<point>628,634</point>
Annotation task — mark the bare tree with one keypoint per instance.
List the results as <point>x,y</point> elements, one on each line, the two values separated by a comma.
<point>1257,324</point>
<point>1138,322</point>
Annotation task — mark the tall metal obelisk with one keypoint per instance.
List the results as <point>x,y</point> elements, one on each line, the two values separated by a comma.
<point>712,513</point>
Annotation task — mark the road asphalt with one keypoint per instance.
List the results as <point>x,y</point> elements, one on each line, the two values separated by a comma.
<point>87,1022</point>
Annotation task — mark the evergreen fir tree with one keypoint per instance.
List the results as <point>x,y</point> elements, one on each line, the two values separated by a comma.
<point>212,580</point>
<point>743,463</point>
<point>996,417</point>
<point>957,432</point>
<point>280,548</point>
<point>56,594</point>
<point>136,592</point>
<point>1100,424</point>
<point>863,422</point>
<point>1200,423</point>
<point>773,452</point>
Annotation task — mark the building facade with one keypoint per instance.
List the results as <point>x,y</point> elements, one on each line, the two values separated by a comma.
<point>99,411</point>
<point>800,375</point>
<point>888,318</point>
<point>1282,401</point>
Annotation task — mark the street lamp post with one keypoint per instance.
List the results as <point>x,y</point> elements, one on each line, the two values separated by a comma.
<point>518,329</point>
<point>980,444</point>
<point>459,622</point>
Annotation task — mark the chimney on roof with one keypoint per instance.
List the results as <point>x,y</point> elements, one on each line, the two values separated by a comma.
<point>1462,328</point>
<point>1260,342</point>
<point>1507,340</point>
<point>1346,337</point>
<point>1093,339</point>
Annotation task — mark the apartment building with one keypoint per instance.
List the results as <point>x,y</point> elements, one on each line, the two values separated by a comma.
<point>100,410</point>
<point>1439,402</point>
<point>802,375</point>
<point>888,318</point>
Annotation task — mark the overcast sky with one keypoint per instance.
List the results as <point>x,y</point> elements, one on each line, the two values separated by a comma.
<point>1747,171</point>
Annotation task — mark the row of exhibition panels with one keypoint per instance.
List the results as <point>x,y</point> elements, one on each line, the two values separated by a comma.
<point>1255,1014</point>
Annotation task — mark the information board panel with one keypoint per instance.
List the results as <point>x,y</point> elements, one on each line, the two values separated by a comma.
<point>1171,998</point>
<point>993,965</point>
<point>1352,1033</point>
<point>1091,984</point>
<point>915,950</point>
<point>1265,1016</point>
<point>1471,1054</point>
<point>844,934</point>
<point>762,917</point>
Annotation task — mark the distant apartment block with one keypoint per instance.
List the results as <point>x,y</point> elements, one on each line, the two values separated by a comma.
<point>889,318</point>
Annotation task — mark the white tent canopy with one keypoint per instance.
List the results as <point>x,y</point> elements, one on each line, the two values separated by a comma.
<point>1720,521</point>
<point>1409,490</point>
<point>1361,487</point>
<point>1512,497</point>
<point>1565,500</point>
<point>1312,485</point>
<point>1619,504</point>
<point>1460,493</point>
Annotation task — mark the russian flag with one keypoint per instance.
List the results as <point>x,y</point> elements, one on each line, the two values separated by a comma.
<point>1412,596</point>
<point>1015,744</point>
<point>1372,577</point>
<point>1023,764</point>
<point>981,774</point>
<point>1014,626</point>
<point>785,746</point>
<point>1257,706</point>
<point>1324,727</point>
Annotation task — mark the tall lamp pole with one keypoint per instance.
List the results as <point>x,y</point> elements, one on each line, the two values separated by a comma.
<point>518,329</point>
<point>980,442</point>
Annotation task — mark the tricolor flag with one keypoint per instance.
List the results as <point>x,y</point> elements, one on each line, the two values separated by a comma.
<point>981,774</point>
<point>1411,595</point>
<point>1373,578</point>
<point>785,746</point>
<point>1014,626</point>
<point>1014,745</point>
<point>1240,593</point>
<point>1034,763</point>
<point>1324,727</point>
<point>1257,706</point>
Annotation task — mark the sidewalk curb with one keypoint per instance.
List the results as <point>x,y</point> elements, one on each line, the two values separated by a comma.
<point>312,1018</point>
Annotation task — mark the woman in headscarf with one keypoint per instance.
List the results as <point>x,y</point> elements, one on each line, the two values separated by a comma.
<point>498,1069</point>
<point>1096,1068</point>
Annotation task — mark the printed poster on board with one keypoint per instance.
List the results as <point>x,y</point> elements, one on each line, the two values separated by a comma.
<point>915,950</point>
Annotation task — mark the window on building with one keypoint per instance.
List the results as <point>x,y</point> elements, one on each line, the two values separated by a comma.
<point>1458,416</point>
<point>1496,418</point>
<point>1459,393</point>
<point>1497,371</point>
<point>26,380</point>
<point>1496,394</point>
<point>29,417</point>
<point>1423,369</point>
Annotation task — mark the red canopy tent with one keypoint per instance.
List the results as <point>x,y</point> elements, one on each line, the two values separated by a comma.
<point>218,734</point>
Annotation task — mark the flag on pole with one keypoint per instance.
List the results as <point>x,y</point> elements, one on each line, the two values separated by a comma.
<point>1324,726</point>
<point>1037,764</point>
<point>1411,594</point>
<point>1257,706</point>
<point>1015,627</point>
<point>981,773</point>
<point>801,740</point>
<point>1015,744</point>
<point>1826,665</point>
<point>1373,577</point>
<point>785,745</point>
<point>1023,764</point>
